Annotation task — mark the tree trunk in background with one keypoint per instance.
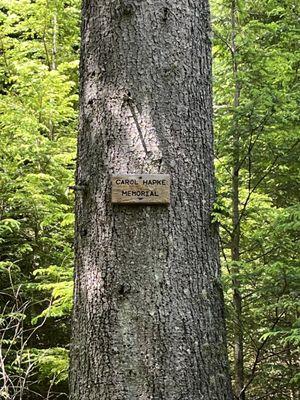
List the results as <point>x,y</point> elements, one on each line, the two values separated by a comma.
<point>148,317</point>
<point>236,233</point>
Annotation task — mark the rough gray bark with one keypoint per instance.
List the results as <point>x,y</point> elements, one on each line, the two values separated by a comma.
<point>148,317</point>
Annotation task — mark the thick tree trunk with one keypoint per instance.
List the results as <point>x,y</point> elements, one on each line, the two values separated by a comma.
<point>148,316</point>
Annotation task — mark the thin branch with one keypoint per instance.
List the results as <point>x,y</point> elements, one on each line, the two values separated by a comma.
<point>258,352</point>
<point>260,128</point>
<point>228,45</point>
<point>260,180</point>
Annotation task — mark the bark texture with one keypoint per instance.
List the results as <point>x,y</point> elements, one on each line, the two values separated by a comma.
<point>237,300</point>
<point>148,317</point>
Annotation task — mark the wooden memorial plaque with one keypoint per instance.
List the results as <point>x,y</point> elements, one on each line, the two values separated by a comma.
<point>141,189</point>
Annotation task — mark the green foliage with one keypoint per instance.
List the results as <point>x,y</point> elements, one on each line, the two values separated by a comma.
<point>52,363</point>
<point>264,126</point>
<point>39,44</point>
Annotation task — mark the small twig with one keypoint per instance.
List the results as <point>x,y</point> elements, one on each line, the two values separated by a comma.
<point>258,355</point>
<point>77,188</point>
<point>223,253</point>
<point>50,387</point>
<point>259,129</point>
<point>260,180</point>
<point>222,164</point>
<point>223,40</point>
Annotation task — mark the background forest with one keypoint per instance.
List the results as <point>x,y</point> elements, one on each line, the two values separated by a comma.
<point>256,95</point>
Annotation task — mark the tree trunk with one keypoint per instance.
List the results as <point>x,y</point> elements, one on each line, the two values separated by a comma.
<point>236,234</point>
<point>148,317</point>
